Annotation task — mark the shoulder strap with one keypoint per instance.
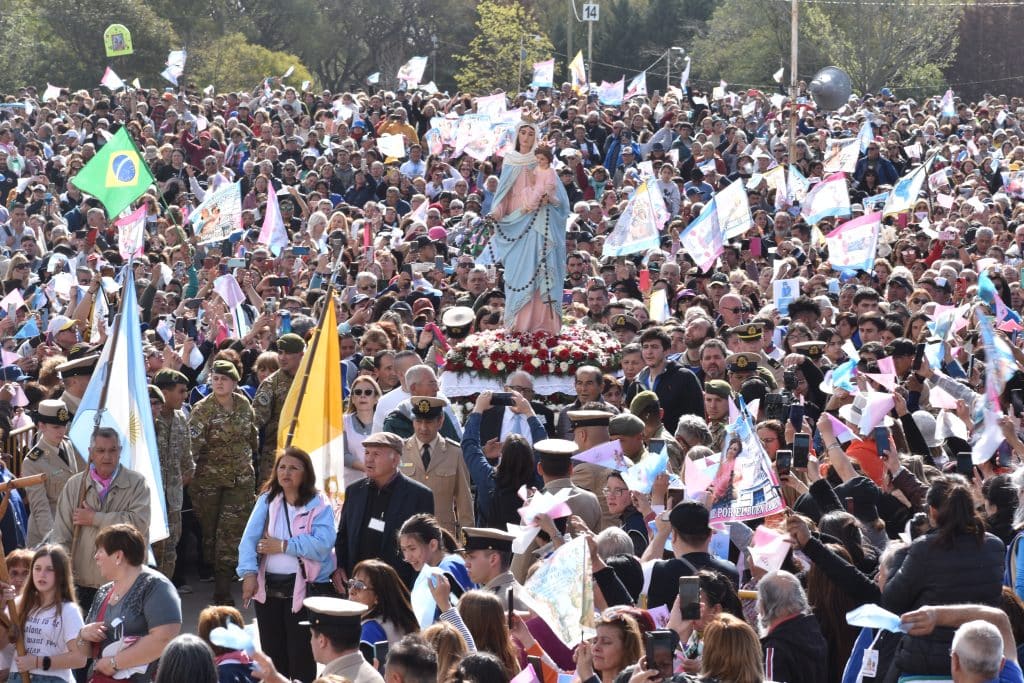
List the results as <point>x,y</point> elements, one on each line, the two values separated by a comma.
<point>99,617</point>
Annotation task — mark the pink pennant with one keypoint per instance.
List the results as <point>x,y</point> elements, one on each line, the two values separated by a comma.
<point>9,357</point>
<point>1010,326</point>
<point>842,433</point>
<point>769,548</point>
<point>887,366</point>
<point>20,400</point>
<point>940,398</point>
<point>885,379</point>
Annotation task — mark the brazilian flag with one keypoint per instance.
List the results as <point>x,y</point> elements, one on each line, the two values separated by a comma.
<point>117,175</point>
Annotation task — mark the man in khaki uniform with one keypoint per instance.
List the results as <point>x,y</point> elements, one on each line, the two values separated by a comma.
<point>270,396</point>
<point>94,500</point>
<point>436,462</point>
<point>488,555</point>
<point>55,456</point>
<point>555,466</point>
<point>590,430</point>
<point>335,625</point>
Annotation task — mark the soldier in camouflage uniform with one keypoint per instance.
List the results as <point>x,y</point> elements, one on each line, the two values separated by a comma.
<point>55,456</point>
<point>224,438</point>
<point>717,394</point>
<point>174,446</point>
<point>270,398</point>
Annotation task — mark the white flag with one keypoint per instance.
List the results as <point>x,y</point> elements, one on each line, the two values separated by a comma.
<point>733,209</point>
<point>685,77</point>
<point>777,76</point>
<point>131,233</point>
<point>412,71</point>
<point>637,86</point>
<point>391,146</point>
<point>111,80</point>
<point>639,225</point>
<point>52,92</point>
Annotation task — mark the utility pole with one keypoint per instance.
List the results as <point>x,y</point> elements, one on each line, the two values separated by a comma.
<point>568,38</point>
<point>794,39</point>
<point>590,50</point>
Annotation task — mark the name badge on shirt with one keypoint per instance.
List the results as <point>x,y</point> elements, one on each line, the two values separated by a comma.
<point>377,525</point>
<point>869,666</point>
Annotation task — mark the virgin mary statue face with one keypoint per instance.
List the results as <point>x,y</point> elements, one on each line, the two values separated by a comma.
<point>524,141</point>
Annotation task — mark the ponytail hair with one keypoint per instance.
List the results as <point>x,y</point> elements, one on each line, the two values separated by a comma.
<point>956,515</point>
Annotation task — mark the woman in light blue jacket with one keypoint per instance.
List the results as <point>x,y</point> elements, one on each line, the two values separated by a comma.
<point>287,554</point>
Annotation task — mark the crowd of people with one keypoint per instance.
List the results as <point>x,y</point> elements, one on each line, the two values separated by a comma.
<point>914,508</point>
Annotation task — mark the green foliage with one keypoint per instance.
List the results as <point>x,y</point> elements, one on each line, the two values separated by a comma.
<point>233,63</point>
<point>901,37</point>
<point>748,40</point>
<point>493,60</point>
<point>70,35</point>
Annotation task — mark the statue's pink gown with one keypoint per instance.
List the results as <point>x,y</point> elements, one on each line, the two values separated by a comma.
<point>531,186</point>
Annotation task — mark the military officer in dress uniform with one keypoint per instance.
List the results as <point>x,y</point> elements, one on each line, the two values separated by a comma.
<point>55,456</point>
<point>76,373</point>
<point>270,398</point>
<point>815,350</point>
<point>335,625</point>
<point>488,554</point>
<point>590,430</point>
<point>741,367</point>
<point>748,339</point>
<point>625,327</point>
<point>436,462</point>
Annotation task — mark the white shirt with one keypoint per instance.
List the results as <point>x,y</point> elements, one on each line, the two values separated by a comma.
<point>283,563</point>
<point>47,635</point>
<point>386,404</point>
<point>508,426</point>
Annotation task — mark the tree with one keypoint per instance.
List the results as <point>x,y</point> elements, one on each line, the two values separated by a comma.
<point>493,61</point>
<point>71,34</point>
<point>233,63</point>
<point>887,44</point>
<point>748,40</point>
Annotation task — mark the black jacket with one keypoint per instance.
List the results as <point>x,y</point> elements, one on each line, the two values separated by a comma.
<point>679,392</point>
<point>969,571</point>
<point>408,498</point>
<point>795,651</point>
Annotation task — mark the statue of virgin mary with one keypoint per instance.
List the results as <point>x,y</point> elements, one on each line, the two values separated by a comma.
<point>530,207</point>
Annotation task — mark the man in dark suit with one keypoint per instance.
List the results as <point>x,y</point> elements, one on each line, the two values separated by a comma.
<point>375,509</point>
<point>498,423</point>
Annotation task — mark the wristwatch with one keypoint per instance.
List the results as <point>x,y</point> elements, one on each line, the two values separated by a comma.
<point>113,664</point>
<point>46,663</point>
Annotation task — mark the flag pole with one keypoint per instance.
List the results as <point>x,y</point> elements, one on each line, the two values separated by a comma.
<point>314,343</point>
<point>83,488</point>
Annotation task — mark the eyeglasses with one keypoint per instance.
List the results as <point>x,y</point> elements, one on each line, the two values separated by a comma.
<point>613,492</point>
<point>364,392</point>
<point>521,390</point>
<point>737,309</point>
<point>357,585</point>
<point>919,302</point>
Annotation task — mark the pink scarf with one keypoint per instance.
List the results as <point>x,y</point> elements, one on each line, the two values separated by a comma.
<point>103,483</point>
<point>301,524</point>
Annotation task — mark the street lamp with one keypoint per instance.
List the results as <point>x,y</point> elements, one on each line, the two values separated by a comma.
<point>668,65</point>
<point>522,56</point>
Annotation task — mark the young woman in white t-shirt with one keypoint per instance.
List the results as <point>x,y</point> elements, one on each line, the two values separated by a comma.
<point>50,619</point>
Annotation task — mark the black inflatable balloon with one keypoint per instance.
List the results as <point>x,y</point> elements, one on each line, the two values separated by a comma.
<point>830,88</point>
